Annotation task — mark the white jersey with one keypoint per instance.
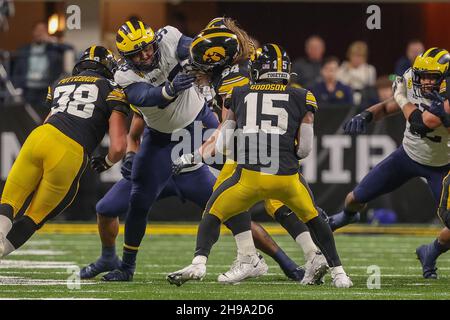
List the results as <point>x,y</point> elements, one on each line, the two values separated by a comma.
<point>433,149</point>
<point>181,111</point>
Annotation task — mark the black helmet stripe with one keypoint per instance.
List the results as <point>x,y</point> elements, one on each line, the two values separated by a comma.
<point>432,52</point>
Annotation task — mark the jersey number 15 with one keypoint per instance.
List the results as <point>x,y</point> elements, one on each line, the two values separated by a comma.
<point>253,123</point>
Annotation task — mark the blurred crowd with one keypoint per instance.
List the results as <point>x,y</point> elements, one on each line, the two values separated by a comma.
<point>353,81</point>
<point>350,82</point>
<point>34,66</point>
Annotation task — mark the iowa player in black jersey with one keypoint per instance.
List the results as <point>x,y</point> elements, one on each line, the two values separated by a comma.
<point>84,107</point>
<point>274,116</point>
<point>228,71</point>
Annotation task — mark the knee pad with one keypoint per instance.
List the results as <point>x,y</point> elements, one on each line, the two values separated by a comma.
<point>444,214</point>
<point>282,213</point>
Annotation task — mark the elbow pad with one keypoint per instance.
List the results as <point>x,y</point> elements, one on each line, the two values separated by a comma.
<point>225,136</point>
<point>305,140</point>
<point>416,125</point>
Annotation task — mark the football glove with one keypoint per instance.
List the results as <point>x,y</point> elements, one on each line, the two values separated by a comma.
<point>416,125</point>
<point>100,164</point>
<point>127,165</point>
<point>186,161</point>
<point>180,83</point>
<point>358,124</point>
<point>437,108</point>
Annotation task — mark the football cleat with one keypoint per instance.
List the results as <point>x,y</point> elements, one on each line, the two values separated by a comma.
<point>315,270</point>
<point>341,280</point>
<point>119,275</point>
<point>428,264</point>
<point>191,272</point>
<point>99,266</point>
<point>296,275</point>
<point>244,267</point>
<point>342,219</point>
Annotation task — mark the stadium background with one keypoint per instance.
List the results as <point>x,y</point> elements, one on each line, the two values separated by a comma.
<point>289,24</point>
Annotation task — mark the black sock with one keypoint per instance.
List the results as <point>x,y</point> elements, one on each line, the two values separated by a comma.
<point>207,235</point>
<point>108,252</point>
<point>290,222</point>
<point>129,258</point>
<point>323,238</point>
<point>22,230</point>
<point>239,223</point>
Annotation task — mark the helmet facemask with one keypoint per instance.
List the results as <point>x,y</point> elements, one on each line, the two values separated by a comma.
<point>426,82</point>
<point>144,66</point>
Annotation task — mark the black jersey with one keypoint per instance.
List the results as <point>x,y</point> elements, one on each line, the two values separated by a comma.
<point>223,83</point>
<point>81,106</point>
<point>267,120</point>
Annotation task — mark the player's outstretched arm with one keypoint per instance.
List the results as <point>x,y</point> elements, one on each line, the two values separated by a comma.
<point>145,95</point>
<point>133,144</point>
<point>358,124</point>
<point>118,136</point>
<point>118,143</point>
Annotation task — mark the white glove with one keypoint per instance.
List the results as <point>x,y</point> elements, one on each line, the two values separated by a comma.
<point>399,90</point>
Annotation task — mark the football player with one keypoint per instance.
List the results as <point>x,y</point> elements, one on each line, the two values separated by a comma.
<point>115,201</point>
<point>251,181</point>
<point>424,151</point>
<point>55,154</point>
<point>155,83</point>
<point>226,74</point>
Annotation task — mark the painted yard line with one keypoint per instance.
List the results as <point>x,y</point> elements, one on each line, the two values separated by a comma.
<point>191,229</point>
<point>32,252</point>
<point>28,264</point>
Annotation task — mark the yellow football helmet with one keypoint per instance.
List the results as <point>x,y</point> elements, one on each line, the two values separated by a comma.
<point>133,37</point>
<point>433,64</point>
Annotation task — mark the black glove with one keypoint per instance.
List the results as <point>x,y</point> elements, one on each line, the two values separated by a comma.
<point>437,108</point>
<point>180,83</point>
<point>99,164</point>
<point>127,165</point>
<point>186,161</point>
<point>358,124</point>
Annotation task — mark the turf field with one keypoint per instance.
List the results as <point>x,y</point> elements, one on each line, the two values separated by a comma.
<point>41,268</point>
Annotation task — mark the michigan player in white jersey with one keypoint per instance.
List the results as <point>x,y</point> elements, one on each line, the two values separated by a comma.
<point>424,151</point>
<point>155,84</point>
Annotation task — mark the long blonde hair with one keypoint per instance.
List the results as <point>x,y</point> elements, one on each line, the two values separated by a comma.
<point>246,45</point>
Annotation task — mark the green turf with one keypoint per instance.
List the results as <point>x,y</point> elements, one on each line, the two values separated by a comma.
<point>400,271</point>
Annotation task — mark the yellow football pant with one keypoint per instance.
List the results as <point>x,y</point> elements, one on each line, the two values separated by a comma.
<point>271,205</point>
<point>245,188</point>
<point>50,164</point>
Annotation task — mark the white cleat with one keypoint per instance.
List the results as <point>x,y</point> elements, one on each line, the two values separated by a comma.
<point>243,268</point>
<point>341,280</point>
<point>191,272</point>
<point>315,270</point>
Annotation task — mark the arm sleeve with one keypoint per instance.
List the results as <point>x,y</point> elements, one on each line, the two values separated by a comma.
<point>145,95</point>
<point>183,47</point>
